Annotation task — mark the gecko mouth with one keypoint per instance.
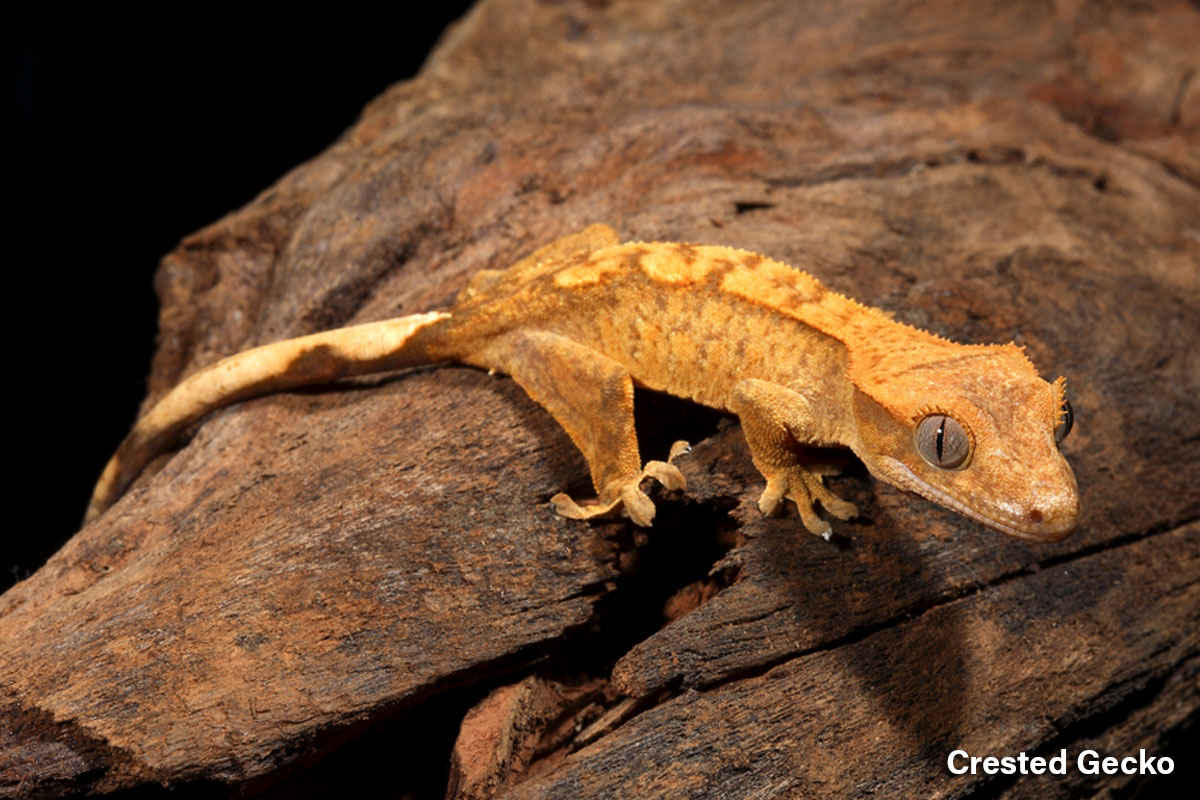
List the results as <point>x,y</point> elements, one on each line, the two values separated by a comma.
<point>906,479</point>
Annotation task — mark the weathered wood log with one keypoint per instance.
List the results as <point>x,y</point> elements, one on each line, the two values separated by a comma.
<point>316,565</point>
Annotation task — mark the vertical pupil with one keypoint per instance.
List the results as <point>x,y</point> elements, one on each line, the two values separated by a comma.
<point>941,434</point>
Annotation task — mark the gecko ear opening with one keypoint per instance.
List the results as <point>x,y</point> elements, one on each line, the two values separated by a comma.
<point>1066,421</point>
<point>943,441</point>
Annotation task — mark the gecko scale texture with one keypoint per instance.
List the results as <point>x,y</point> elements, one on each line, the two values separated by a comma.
<point>580,322</point>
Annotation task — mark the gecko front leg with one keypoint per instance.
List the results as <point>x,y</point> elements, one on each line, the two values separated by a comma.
<point>591,396</point>
<point>778,423</point>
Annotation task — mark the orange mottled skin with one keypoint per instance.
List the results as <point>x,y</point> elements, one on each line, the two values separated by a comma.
<point>581,321</point>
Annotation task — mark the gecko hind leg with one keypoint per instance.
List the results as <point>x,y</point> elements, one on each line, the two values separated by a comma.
<point>591,397</point>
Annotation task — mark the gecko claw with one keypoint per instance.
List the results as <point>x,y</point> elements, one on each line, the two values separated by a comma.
<point>678,449</point>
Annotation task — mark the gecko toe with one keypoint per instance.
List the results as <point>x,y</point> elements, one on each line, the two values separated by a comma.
<point>678,449</point>
<point>638,506</point>
<point>811,521</point>
<point>771,500</point>
<point>842,509</point>
<point>805,489</point>
<point>667,474</point>
<point>564,506</point>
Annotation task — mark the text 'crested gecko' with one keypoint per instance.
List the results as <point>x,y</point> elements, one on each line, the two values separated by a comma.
<point>583,320</point>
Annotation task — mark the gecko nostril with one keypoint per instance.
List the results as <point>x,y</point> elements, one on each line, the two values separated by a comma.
<point>1035,515</point>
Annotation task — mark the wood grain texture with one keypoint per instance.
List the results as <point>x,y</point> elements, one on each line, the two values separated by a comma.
<point>313,568</point>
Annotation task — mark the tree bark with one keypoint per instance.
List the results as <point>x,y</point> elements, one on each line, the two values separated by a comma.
<point>374,564</point>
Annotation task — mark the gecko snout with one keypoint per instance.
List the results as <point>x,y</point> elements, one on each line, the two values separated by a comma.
<point>1052,516</point>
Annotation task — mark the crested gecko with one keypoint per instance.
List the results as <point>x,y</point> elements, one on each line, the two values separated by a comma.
<point>581,321</point>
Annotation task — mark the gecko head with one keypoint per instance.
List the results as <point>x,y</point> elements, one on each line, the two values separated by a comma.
<point>975,429</point>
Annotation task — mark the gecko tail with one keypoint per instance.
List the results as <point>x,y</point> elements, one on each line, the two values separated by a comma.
<point>279,366</point>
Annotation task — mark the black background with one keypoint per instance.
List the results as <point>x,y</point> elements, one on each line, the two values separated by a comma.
<point>125,132</point>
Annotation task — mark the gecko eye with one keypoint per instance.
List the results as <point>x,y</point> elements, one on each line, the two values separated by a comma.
<point>942,441</point>
<point>1065,420</point>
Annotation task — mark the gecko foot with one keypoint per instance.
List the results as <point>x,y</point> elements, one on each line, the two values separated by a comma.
<point>639,507</point>
<point>803,486</point>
